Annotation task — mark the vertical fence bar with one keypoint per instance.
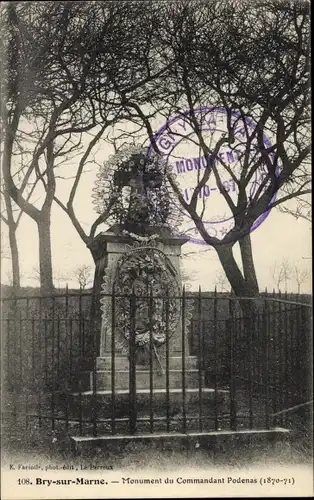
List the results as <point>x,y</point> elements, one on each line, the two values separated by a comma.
<point>80,323</point>
<point>71,349</point>
<point>41,366</point>
<point>113,360</point>
<point>27,354</point>
<point>33,350</point>
<point>281,372</point>
<point>286,364</point>
<point>67,399</point>
<point>252,333</point>
<point>151,381</point>
<point>300,334</point>
<point>58,348</point>
<point>15,375</point>
<point>274,357</point>
<point>167,364</point>
<point>46,348</point>
<point>15,357</point>
<point>307,350</point>
<point>183,362</point>
<point>52,374</point>
<point>9,362</point>
<point>292,355</point>
<point>66,341</point>
<point>215,361</point>
<point>83,338</point>
<point>94,378</point>
<point>80,403</point>
<point>20,351</point>
<point>32,375</point>
<point>132,360</point>
<point>200,359</point>
<point>286,360</point>
<point>266,372</point>
<point>232,383</point>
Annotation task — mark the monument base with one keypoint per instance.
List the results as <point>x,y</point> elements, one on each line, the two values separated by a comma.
<point>104,379</point>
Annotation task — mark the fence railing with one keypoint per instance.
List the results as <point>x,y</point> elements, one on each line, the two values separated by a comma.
<point>230,367</point>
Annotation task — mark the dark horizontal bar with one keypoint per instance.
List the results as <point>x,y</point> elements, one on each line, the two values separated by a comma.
<point>60,296</point>
<point>188,296</point>
<point>124,419</point>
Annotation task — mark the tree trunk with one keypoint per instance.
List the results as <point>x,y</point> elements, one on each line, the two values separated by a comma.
<point>12,226</point>
<point>248,263</point>
<point>14,258</point>
<point>45,259</point>
<point>239,285</point>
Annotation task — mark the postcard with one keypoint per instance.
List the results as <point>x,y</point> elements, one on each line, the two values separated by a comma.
<point>156,300</point>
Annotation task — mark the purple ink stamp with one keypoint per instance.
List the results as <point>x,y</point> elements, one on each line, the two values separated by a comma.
<point>179,145</point>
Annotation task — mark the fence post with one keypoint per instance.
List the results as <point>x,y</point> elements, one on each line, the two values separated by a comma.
<point>266,352</point>
<point>151,381</point>
<point>132,363</point>
<point>215,361</point>
<point>232,383</point>
<point>200,358</point>
<point>167,363</point>
<point>94,375</point>
<point>183,362</point>
<point>113,360</point>
<point>252,331</point>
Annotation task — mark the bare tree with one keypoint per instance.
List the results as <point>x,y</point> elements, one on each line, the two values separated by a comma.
<point>187,276</point>
<point>281,273</point>
<point>49,95</point>
<point>220,60</point>
<point>221,283</point>
<point>83,274</point>
<point>301,276</point>
<point>29,98</point>
<point>138,77</point>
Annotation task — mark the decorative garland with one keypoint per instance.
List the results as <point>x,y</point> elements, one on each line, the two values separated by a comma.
<point>137,237</point>
<point>148,274</point>
<point>145,271</point>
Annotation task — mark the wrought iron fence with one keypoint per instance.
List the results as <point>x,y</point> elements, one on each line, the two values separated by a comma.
<point>234,369</point>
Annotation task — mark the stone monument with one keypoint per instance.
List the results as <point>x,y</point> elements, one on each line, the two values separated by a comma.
<point>139,255</point>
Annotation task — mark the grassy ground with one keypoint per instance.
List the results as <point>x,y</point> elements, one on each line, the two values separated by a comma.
<point>41,445</point>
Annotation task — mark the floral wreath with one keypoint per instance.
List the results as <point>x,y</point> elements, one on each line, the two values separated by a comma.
<point>145,271</point>
<point>148,273</point>
<point>111,191</point>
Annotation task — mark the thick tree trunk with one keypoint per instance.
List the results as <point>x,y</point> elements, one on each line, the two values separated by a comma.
<point>14,258</point>
<point>240,286</point>
<point>45,259</point>
<point>12,226</point>
<point>248,263</point>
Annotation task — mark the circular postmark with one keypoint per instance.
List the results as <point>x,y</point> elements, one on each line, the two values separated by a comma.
<point>236,163</point>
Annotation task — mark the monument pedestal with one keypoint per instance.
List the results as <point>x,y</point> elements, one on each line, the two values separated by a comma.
<point>156,391</point>
<point>109,247</point>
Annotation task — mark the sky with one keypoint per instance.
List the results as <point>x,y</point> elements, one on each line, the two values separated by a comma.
<point>278,239</point>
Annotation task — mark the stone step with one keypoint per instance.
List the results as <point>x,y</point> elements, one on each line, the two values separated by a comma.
<point>122,363</point>
<point>221,440</point>
<point>103,379</point>
<point>81,403</point>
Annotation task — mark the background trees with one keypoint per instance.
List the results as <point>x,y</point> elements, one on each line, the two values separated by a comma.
<point>66,66</point>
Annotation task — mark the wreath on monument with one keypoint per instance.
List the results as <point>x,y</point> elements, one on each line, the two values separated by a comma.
<point>133,190</point>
